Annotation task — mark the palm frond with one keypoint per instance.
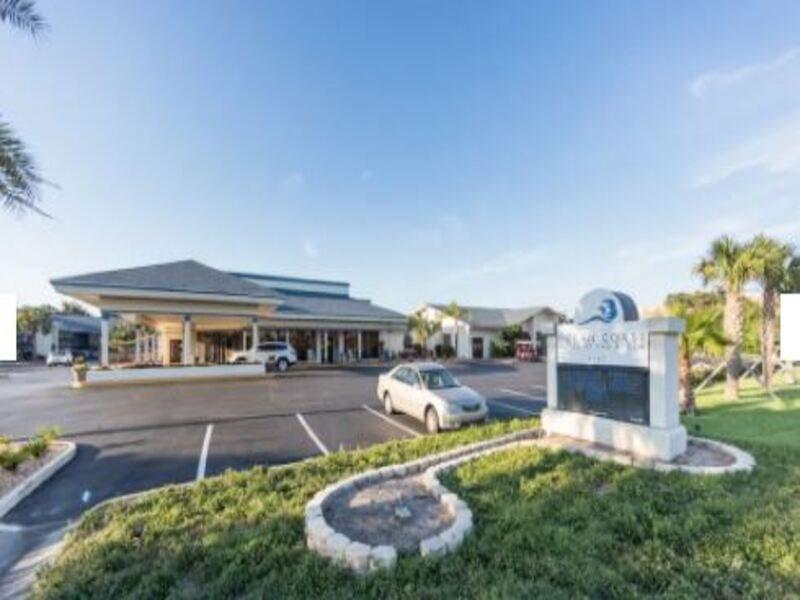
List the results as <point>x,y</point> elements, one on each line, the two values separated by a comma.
<point>22,14</point>
<point>19,176</point>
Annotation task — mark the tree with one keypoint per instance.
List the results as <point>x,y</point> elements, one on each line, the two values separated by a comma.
<point>729,264</point>
<point>771,260</point>
<point>19,176</point>
<point>31,319</point>
<point>702,333</point>
<point>424,329</point>
<point>455,312</point>
<point>73,308</point>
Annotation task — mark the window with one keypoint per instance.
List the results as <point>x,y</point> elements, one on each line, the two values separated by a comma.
<point>437,379</point>
<point>401,374</point>
<point>272,346</point>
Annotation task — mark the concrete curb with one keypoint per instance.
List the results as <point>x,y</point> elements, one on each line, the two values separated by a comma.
<point>743,461</point>
<point>17,494</point>
<point>362,558</point>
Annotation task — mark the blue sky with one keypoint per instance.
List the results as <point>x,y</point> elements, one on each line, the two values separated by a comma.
<point>496,153</point>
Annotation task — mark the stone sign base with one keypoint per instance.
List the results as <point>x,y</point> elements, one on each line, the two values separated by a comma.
<point>640,440</point>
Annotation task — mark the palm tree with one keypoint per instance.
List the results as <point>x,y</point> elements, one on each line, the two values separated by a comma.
<point>19,177</point>
<point>729,264</point>
<point>423,329</point>
<point>455,312</point>
<point>701,333</point>
<point>771,260</point>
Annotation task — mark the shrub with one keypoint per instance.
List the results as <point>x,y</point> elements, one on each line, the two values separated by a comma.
<point>12,457</point>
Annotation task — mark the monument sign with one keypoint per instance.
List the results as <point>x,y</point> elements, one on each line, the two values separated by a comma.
<point>613,379</point>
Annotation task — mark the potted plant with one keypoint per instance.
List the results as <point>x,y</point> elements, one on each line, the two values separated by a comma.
<point>79,370</point>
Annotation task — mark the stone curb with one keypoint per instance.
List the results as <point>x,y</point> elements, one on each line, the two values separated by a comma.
<point>743,461</point>
<point>362,558</point>
<point>17,494</point>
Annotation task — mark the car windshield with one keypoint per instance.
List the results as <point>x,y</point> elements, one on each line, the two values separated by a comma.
<point>437,379</point>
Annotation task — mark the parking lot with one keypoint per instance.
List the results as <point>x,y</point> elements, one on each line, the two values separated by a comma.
<point>136,438</point>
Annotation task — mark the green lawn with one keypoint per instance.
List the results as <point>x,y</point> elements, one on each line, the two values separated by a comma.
<point>548,524</point>
<point>756,417</point>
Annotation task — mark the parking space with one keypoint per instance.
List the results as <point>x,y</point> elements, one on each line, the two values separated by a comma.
<point>132,439</point>
<point>263,441</point>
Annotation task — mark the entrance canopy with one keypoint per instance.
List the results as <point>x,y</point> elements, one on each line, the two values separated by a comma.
<point>201,314</point>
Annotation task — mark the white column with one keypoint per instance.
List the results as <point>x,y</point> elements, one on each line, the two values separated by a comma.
<point>324,346</point>
<point>255,334</point>
<point>318,339</point>
<point>359,345</point>
<point>137,347</point>
<point>552,372</point>
<point>104,342</point>
<point>341,346</point>
<point>287,336</point>
<point>188,353</point>
<point>664,375</point>
<point>244,340</point>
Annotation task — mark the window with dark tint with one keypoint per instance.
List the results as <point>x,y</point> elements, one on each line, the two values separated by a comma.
<point>438,379</point>
<point>272,346</point>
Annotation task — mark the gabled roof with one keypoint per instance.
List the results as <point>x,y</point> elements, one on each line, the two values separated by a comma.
<point>299,304</point>
<point>188,276</point>
<point>481,317</point>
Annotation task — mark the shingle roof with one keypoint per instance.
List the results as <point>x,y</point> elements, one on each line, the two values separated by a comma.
<point>187,276</point>
<point>299,304</point>
<point>481,317</point>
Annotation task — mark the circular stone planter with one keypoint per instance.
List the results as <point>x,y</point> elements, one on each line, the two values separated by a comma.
<point>364,522</point>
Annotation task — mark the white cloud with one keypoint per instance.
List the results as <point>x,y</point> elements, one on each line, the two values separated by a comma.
<point>310,248</point>
<point>712,81</point>
<point>294,180</point>
<point>774,152</point>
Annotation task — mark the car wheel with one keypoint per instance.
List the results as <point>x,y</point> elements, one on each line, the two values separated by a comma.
<point>387,404</point>
<point>283,365</point>
<point>431,420</point>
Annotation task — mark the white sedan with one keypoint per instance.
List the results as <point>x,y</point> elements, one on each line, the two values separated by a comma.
<point>56,357</point>
<point>430,393</point>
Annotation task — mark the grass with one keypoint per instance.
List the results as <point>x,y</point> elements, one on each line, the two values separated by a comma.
<point>548,524</point>
<point>756,417</point>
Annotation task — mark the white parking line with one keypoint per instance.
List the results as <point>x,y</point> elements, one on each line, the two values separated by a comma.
<point>391,421</point>
<point>523,394</point>
<point>201,465</point>
<point>312,435</point>
<point>512,407</point>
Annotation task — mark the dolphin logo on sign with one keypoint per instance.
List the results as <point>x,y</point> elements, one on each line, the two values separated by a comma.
<point>606,307</point>
<point>606,313</point>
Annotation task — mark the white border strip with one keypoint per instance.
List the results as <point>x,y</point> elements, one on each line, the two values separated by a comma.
<point>201,465</point>
<point>312,435</point>
<point>391,421</point>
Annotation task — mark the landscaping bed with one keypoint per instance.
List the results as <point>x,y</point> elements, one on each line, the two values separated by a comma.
<point>11,479</point>
<point>547,523</point>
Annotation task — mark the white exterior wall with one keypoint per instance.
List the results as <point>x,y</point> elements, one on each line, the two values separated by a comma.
<point>392,340</point>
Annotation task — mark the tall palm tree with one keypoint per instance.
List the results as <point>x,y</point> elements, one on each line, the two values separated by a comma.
<point>455,312</point>
<point>701,333</point>
<point>424,329</point>
<point>771,259</point>
<point>19,177</point>
<point>729,264</point>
